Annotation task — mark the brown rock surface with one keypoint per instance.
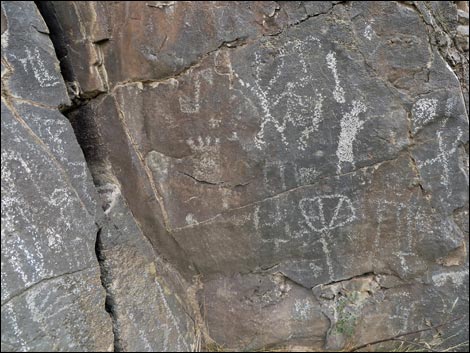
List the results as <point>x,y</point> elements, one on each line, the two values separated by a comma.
<point>307,161</point>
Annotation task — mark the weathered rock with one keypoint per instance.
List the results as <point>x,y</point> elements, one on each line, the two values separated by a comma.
<point>322,140</point>
<point>270,310</point>
<point>53,287</point>
<point>147,312</point>
<point>52,298</point>
<point>273,148</point>
<point>29,57</point>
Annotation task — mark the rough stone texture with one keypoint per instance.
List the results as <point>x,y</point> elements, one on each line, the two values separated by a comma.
<point>142,289</point>
<point>307,160</point>
<point>52,298</point>
<point>55,291</point>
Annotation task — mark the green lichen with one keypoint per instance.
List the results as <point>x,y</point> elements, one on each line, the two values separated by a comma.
<point>346,323</point>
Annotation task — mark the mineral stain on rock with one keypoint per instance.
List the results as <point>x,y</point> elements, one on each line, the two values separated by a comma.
<point>183,176</point>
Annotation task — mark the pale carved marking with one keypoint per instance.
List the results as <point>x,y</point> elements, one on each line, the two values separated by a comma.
<point>192,105</point>
<point>319,219</point>
<point>324,219</point>
<point>424,110</point>
<point>446,152</point>
<point>33,61</point>
<point>338,93</point>
<point>300,109</point>
<point>351,124</point>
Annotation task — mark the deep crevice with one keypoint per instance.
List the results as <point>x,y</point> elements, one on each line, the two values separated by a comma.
<point>109,304</point>
<point>46,9</point>
<point>87,135</point>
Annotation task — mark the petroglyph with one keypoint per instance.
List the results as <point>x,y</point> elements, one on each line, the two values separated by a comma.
<point>34,61</point>
<point>338,92</point>
<point>191,105</point>
<point>274,176</point>
<point>310,129</point>
<point>424,110</point>
<point>206,158</point>
<point>306,175</point>
<point>303,308</point>
<point>223,66</point>
<point>300,109</point>
<point>327,212</point>
<point>350,126</point>
<point>447,151</point>
<point>403,218</point>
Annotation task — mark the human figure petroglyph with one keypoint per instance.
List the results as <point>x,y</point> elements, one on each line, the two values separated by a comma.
<point>324,219</point>
<point>446,152</point>
<point>300,109</point>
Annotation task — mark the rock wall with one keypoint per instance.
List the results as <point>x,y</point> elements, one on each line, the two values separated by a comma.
<point>74,277</point>
<point>270,174</point>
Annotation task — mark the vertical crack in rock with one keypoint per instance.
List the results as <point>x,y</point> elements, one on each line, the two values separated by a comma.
<point>57,37</point>
<point>84,132</point>
<point>410,153</point>
<point>106,282</point>
<point>132,330</point>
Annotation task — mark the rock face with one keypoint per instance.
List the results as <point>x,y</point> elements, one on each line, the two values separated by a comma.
<point>306,161</point>
<point>52,296</point>
<point>55,292</point>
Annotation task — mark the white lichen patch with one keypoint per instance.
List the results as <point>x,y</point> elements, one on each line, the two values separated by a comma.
<point>159,164</point>
<point>316,270</point>
<point>110,194</point>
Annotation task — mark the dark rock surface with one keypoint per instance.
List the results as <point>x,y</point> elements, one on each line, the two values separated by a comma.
<point>58,279</point>
<point>52,298</point>
<point>306,162</point>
